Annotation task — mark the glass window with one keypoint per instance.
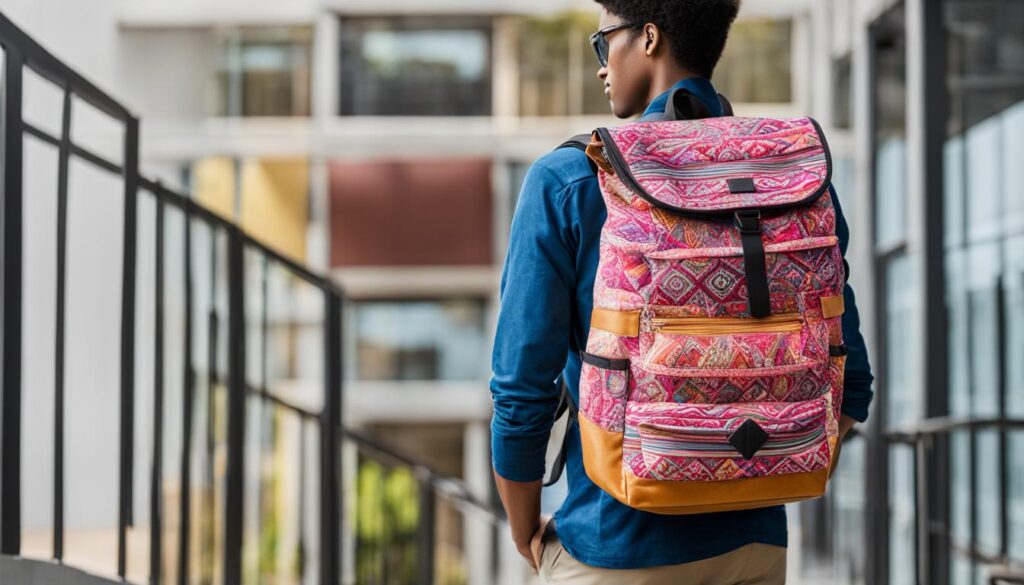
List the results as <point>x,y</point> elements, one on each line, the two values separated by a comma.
<point>982,144</point>
<point>890,96</point>
<point>842,96</point>
<point>900,338</point>
<point>987,507</point>
<point>848,505</point>
<point>420,340</point>
<point>890,191</point>
<point>1013,287</point>
<point>984,242</point>
<point>901,284</point>
<point>985,59</point>
<point>557,69</point>
<point>958,321</point>
<point>844,180</point>
<point>902,341</point>
<point>264,72</point>
<point>757,63</point>
<point>415,67</point>
<point>902,506</point>
<point>1016,497</point>
<point>960,493</point>
<point>982,328</point>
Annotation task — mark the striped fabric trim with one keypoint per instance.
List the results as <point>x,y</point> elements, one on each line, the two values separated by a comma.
<point>714,442</point>
<point>727,251</point>
<point>808,158</point>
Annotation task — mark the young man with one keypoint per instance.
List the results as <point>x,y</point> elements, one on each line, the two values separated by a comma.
<point>646,48</point>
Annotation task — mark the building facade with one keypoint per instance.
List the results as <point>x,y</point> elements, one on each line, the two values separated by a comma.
<point>925,100</point>
<point>385,144</point>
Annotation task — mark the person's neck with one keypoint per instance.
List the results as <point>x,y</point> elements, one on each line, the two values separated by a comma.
<point>664,78</point>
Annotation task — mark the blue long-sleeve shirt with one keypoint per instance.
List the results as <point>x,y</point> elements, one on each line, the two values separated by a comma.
<point>546,300</point>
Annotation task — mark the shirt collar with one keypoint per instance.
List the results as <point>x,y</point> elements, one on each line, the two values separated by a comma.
<point>698,86</point>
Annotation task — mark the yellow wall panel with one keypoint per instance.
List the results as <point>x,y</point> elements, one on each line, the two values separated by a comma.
<point>214,180</point>
<point>275,204</point>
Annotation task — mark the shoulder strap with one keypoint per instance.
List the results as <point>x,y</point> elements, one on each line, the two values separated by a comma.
<point>579,142</point>
<point>565,404</point>
<point>683,105</point>
<point>726,105</point>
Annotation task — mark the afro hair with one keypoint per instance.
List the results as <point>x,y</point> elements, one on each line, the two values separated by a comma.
<point>696,29</point>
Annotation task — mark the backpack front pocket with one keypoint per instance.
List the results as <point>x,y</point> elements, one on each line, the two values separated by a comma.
<point>702,347</point>
<point>712,442</point>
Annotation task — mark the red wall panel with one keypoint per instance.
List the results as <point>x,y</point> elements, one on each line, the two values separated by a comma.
<point>411,213</point>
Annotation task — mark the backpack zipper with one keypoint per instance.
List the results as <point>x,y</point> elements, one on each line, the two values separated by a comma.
<point>782,323</point>
<point>696,442</point>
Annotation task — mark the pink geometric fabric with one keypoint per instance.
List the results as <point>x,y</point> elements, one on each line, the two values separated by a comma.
<point>687,163</point>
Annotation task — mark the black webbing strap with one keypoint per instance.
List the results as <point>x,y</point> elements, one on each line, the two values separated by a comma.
<point>749,223</point>
<point>726,105</point>
<point>579,142</point>
<point>683,105</point>
<point>565,403</point>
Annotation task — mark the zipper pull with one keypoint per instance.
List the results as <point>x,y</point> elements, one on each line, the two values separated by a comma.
<point>647,319</point>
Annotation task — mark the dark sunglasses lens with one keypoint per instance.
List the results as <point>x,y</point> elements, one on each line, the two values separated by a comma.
<point>601,49</point>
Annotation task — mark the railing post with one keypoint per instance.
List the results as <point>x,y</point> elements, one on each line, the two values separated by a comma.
<point>236,409</point>
<point>927,39</point>
<point>10,305</point>
<point>131,179</point>
<point>426,532</point>
<point>1002,387</point>
<point>156,472</point>
<point>213,382</point>
<point>922,504</point>
<point>59,344</point>
<point>188,400</point>
<point>330,438</point>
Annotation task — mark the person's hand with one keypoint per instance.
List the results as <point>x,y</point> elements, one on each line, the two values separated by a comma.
<point>845,424</point>
<point>536,546</point>
<point>522,506</point>
<point>531,548</point>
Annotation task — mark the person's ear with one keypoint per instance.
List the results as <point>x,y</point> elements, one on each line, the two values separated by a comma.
<point>652,39</point>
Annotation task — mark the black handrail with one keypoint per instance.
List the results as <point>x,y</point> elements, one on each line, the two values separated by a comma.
<point>21,52</point>
<point>923,436</point>
<point>915,432</point>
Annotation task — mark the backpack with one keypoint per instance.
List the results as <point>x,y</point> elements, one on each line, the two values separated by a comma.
<point>713,371</point>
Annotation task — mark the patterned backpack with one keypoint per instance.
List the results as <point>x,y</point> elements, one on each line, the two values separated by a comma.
<point>713,372</point>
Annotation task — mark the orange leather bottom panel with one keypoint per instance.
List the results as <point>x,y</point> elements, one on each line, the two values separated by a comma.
<point>602,459</point>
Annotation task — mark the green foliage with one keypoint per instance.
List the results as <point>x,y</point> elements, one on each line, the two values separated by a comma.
<point>386,522</point>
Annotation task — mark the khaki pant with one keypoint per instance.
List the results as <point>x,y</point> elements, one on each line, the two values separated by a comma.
<point>760,564</point>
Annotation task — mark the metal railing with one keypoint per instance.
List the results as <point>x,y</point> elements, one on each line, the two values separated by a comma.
<point>935,541</point>
<point>227,385</point>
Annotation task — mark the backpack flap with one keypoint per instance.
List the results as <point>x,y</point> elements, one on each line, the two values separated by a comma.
<point>720,168</point>
<point>717,166</point>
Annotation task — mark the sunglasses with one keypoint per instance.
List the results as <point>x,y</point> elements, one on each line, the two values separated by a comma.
<point>599,40</point>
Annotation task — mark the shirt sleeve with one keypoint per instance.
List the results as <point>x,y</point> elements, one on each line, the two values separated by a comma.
<point>857,393</point>
<point>531,342</point>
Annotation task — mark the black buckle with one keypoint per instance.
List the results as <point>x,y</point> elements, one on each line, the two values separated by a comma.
<point>837,350</point>
<point>748,221</point>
